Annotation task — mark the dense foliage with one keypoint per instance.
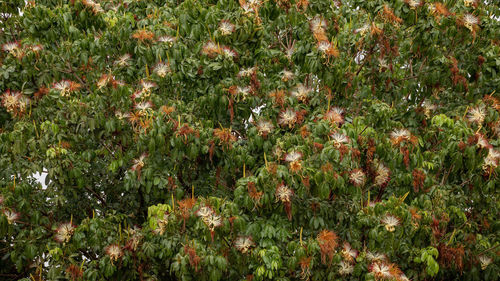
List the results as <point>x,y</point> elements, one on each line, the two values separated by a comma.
<point>250,140</point>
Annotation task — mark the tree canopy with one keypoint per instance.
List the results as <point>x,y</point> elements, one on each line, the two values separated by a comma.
<point>250,140</point>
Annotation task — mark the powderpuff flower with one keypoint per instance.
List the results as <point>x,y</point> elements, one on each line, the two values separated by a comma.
<point>210,49</point>
<point>485,261</point>
<point>64,232</point>
<point>247,72</point>
<point>243,243</point>
<point>287,75</point>
<point>288,118</point>
<point>229,53</point>
<point>264,127</point>
<point>36,48</point>
<point>120,115</point>
<point>375,257</point>
<point>492,160</point>
<point>328,49</point>
<point>293,156</point>
<point>123,60</point>
<point>469,3</point>
<point>345,268</point>
<point>348,252</point>
<point>483,142</point>
<point>335,116</point>
<point>390,222</point>
<point>204,212</point>
<point>170,40</point>
<point>283,193</point>
<point>10,215</point>
<point>357,177</point>
<point>143,107</point>
<point>317,25</point>
<point>363,30</point>
<point>470,21</point>
<point>476,115</point>
<point>381,270</point>
<point>414,3</point>
<point>243,91</point>
<point>382,175</point>
<point>301,92</point>
<point>138,163</point>
<point>114,252</point>
<point>161,69</point>
<point>213,221</point>
<point>399,135</point>
<point>339,140</point>
<point>10,47</point>
<point>147,86</point>
<point>226,27</point>
<point>62,87</point>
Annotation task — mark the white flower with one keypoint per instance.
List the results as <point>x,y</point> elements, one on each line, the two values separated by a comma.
<point>335,115</point>
<point>161,69</point>
<point>288,117</point>
<point>293,156</point>
<point>414,3</point>
<point>339,139</point>
<point>204,212</point>
<point>10,47</point>
<point>123,60</point>
<point>348,252</point>
<point>213,221</point>
<point>10,215</point>
<point>64,232</point>
<point>381,270</point>
<point>264,127</point>
<point>114,252</point>
<point>375,257</point>
<point>390,222</point>
<point>283,193</point>
<point>470,21</point>
<point>243,243</point>
<point>485,261</point>
<point>345,268</point>
<point>225,27</point>
<point>357,177</point>
<point>363,30</point>
<point>301,92</point>
<point>170,40</point>
<point>287,75</point>
<point>247,72</point>
<point>476,115</point>
<point>382,174</point>
<point>318,25</point>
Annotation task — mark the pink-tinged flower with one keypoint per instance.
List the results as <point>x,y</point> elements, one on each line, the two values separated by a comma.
<point>483,142</point>
<point>138,163</point>
<point>375,257</point>
<point>11,215</point>
<point>288,118</point>
<point>380,270</point>
<point>485,261</point>
<point>147,86</point>
<point>293,156</point>
<point>357,177</point>
<point>114,252</point>
<point>243,243</point>
<point>210,49</point>
<point>229,53</point>
<point>346,268</point>
<point>335,116</point>
<point>123,60</point>
<point>161,69</point>
<point>226,27</point>
<point>36,48</point>
<point>283,193</point>
<point>287,75</point>
<point>10,47</point>
<point>476,115</point>
<point>170,40</point>
<point>339,139</point>
<point>348,252</point>
<point>390,222</point>
<point>470,21</point>
<point>264,127</point>
<point>382,175</point>
<point>63,87</point>
<point>301,92</point>
<point>64,232</point>
<point>247,72</point>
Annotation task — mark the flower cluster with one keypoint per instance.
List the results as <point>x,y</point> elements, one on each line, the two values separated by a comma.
<point>15,102</point>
